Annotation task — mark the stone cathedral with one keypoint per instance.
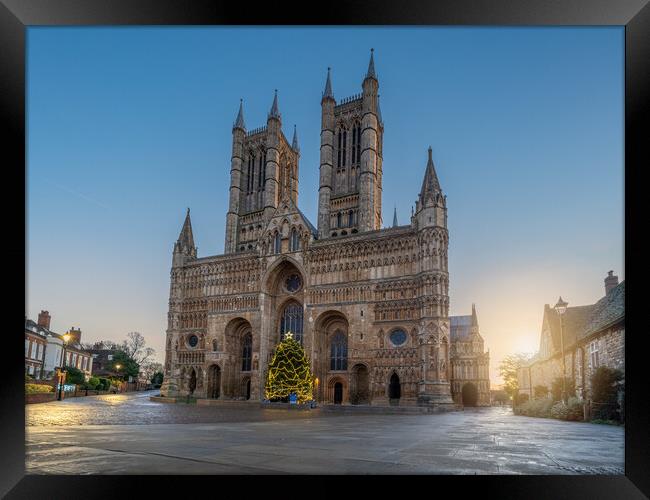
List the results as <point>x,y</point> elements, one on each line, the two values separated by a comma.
<point>369,304</point>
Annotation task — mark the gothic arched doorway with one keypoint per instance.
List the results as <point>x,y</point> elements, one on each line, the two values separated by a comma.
<point>214,382</point>
<point>338,393</point>
<point>192,385</point>
<point>394,389</point>
<point>469,394</point>
<point>246,389</point>
<point>360,385</point>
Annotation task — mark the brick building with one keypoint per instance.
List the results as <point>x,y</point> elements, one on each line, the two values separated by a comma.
<point>594,335</point>
<point>44,349</point>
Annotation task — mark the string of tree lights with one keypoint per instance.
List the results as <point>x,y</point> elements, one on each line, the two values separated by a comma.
<point>289,372</point>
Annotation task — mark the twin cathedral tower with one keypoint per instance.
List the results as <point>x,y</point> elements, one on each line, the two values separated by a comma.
<point>369,305</point>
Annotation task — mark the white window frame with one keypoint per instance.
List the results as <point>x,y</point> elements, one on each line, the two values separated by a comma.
<point>26,348</point>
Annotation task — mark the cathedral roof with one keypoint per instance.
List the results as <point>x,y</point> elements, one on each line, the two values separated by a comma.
<point>460,327</point>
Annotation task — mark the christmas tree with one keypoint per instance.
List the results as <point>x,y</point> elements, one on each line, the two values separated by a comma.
<point>289,372</point>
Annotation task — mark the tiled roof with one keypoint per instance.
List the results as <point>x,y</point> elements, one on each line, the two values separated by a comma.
<point>609,309</point>
<point>573,323</point>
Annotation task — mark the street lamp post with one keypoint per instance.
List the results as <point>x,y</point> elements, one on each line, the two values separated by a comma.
<point>561,308</point>
<point>66,338</point>
<point>117,367</point>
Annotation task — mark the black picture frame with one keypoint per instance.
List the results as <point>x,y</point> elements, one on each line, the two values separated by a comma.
<point>17,15</point>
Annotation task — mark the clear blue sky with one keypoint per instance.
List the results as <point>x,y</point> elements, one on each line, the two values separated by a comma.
<point>129,126</point>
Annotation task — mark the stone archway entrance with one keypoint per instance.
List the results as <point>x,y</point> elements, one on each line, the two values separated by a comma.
<point>394,389</point>
<point>469,394</point>
<point>246,389</point>
<point>214,382</point>
<point>192,385</point>
<point>360,392</point>
<point>338,393</point>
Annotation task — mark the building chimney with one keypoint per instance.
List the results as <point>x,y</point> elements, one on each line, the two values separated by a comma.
<point>611,282</point>
<point>75,335</point>
<point>44,319</point>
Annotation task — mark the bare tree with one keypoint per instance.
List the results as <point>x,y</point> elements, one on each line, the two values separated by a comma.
<point>101,344</point>
<point>135,348</point>
<point>149,369</point>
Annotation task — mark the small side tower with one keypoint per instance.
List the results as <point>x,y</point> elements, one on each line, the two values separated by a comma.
<point>236,161</point>
<point>326,158</point>
<point>184,248</point>
<point>369,177</point>
<point>431,205</point>
<point>273,130</point>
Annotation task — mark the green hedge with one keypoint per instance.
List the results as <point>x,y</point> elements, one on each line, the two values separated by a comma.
<point>38,388</point>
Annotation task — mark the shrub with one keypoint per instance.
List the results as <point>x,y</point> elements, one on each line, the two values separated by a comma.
<point>605,387</point>
<point>104,384</point>
<point>556,388</point>
<point>559,410</point>
<point>38,388</point>
<point>28,378</point>
<point>575,411</point>
<point>74,376</point>
<point>535,408</point>
<point>92,383</point>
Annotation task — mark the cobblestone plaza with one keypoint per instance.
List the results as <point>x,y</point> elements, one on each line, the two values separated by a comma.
<point>129,434</point>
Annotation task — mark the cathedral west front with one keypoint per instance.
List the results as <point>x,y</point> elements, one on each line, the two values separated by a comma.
<point>370,305</point>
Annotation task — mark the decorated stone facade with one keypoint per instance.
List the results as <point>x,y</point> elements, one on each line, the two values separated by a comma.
<point>370,305</point>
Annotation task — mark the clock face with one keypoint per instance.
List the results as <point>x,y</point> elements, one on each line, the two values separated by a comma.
<point>193,340</point>
<point>293,283</point>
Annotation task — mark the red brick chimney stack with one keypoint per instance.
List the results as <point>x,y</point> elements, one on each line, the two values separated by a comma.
<point>44,319</point>
<point>75,335</point>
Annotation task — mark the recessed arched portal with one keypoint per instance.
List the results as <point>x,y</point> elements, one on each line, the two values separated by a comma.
<point>338,393</point>
<point>469,394</point>
<point>360,387</point>
<point>330,361</point>
<point>394,389</point>
<point>192,385</point>
<point>214,382</point>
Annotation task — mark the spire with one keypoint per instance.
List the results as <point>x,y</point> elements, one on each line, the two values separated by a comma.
<point>239,122</point>
<point>371,66</point>
<point>186,238</point>
<point>430,183</point>
<point>275,112</point>
<point>328,86</point>
<point>294,142</point>
<point>395,217</point>
<point>474,317</point>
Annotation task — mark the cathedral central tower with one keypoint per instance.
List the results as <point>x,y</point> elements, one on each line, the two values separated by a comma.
<point>263,171</point>
<point>349,196</point>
